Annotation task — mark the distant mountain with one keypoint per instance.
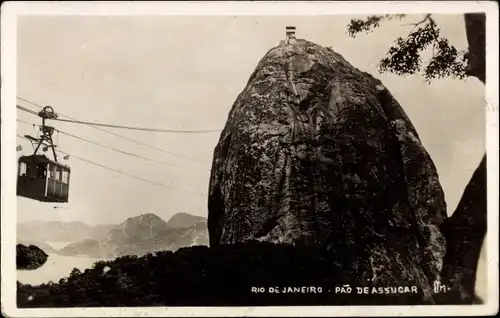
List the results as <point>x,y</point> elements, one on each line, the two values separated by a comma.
<point>196,234</point>
<point>184,220</point>
<point>147,233</point>
<point>85,247</point>
<point>38,231</point>
<point>135,236</point>
<point>137,228</point>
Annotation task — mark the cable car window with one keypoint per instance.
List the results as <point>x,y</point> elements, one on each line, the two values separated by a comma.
<point>42,171</point>
<point>52,172</point>
<point>23,168</point>
<point>32,171</point>
<point>65,176</point>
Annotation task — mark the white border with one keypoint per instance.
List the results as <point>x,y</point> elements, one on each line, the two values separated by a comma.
<point>9,13</point>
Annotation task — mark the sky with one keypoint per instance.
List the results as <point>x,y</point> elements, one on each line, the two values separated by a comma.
<point>182,72</point>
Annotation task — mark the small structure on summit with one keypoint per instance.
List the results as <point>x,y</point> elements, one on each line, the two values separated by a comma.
<point>290,33</point>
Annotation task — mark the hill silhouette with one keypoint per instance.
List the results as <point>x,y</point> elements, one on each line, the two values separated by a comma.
<point>30,257</point>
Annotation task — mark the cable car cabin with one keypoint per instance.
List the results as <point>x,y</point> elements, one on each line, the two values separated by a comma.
<point>42,179</point>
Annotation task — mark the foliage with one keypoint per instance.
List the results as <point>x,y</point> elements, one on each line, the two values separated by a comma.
<point>404,56</point>
<point>217,276</point>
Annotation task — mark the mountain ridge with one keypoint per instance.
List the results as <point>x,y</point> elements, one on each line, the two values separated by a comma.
<point>136,235</point>
<point>183,219</point>
<point>148,232</point>
<point>57,231</point>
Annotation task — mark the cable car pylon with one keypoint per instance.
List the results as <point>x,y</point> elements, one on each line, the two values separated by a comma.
<point>40,178</point>
<point>47,131</point>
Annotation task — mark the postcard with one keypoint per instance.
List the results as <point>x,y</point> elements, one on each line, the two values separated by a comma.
<point>249,159</point>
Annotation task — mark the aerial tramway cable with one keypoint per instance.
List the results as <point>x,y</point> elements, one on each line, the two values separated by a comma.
<point>27,110</point>
<point>120,151</point>
<point>75,121</point>
<point>122,172</point>
<point>139,128</point>
<point>42,162</point>
<point>112,133</point>
<point>110,148</point>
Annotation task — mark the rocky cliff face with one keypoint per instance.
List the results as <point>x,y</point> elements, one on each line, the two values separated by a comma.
<point>317,152</point>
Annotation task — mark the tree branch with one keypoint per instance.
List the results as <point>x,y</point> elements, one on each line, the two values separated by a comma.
<point>426,18</point>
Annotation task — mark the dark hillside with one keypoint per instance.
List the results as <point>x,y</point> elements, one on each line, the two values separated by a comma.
<point>219,276</point>
<point>30,257</point>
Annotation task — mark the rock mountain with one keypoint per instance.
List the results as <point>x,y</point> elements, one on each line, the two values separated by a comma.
<point>317,152</point>
<point>144,234</point>
<point>184,220</point>
<point>135,236</point>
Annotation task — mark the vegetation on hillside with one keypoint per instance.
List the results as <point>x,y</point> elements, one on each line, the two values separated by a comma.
<point>217,276</point>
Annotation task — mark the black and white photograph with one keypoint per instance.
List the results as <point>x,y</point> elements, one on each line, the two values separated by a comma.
<point>246,158</point>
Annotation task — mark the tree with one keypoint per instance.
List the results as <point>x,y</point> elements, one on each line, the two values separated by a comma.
<point>466,228</point>
<point>75,272</point>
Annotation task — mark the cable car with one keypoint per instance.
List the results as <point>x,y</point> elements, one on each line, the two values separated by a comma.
<point>42,179</point>
<point>38,177</point>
